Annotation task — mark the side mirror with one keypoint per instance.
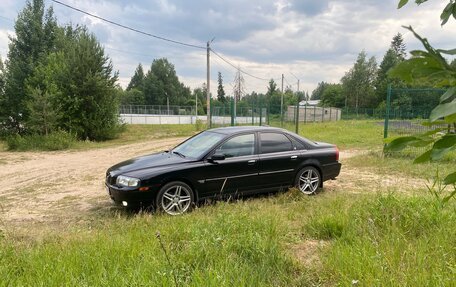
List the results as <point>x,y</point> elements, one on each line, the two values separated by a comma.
<point>217,156</point>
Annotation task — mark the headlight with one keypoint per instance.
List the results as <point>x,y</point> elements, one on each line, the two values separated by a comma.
<point>127,181</point>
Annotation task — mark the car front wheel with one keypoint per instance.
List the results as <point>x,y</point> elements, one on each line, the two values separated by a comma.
<point>175,198</point>
<point>308,180</point>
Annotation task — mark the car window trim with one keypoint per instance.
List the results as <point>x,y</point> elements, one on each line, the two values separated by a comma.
<point>220,143</point>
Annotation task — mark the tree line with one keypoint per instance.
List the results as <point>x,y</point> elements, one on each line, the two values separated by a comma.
<point>365,84</point>
<point>56,78</point>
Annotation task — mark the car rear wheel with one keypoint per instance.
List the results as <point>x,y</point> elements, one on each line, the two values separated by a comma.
<point>175,198</point>
<point>308,180</point>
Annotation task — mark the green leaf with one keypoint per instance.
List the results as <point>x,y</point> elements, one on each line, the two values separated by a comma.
<point>446,141</point>
<point>434,131</point>
<point>400,143</point>
<point>419,53</point>
<point>448,52</point>
<point>447,198</point>
<point>446,13</point>
<point>450,119</point>
<point>443,146</point>
<point>401,4</point>
<point>434,123</point>
<point>450,179</point>
<point>424,157</point>
<point>448,94</point>
<point>443,110</point>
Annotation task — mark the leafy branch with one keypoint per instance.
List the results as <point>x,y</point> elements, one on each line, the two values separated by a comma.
<point>429,66</point>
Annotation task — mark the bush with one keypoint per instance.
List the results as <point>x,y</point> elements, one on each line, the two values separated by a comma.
<point>56,141</point>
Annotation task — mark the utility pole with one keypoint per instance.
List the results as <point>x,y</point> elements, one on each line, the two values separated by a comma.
<point>281,106</point>
<point>208,85</point>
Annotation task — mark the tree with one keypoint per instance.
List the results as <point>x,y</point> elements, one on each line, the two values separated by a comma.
<point>137,81</point>
<point>2,78</point>
<point>220,91</point>
<point>358,83</point>
<point>161,84</point>
<point>316,94</point>
<point>333,96</point>
<point>429,65</point>
<point>273,97</point>
<point>35,32</point>
<point>44,115</point>
<point>398,46</point>
<point>85,83</point>
<point>392,57</point>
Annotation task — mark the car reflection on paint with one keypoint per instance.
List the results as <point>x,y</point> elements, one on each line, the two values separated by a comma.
<point>223,162</point>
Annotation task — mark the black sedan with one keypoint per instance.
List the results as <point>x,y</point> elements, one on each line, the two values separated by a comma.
<point>223,162</point>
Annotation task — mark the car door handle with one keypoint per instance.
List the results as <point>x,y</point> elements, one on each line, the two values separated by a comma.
<point>294,157</point>
<point>251,162</point>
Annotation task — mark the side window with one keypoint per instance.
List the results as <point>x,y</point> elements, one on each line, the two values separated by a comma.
<point>275,142</point>
<point>238,146</point>
<point>297,144</point>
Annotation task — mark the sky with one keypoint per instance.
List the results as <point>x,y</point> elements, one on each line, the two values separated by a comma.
<point>312,41</point>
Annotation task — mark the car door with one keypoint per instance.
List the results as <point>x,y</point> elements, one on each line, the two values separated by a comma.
<point>279,160</point>
<point>238,172</point>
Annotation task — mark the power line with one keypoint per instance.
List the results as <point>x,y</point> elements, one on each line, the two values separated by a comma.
<point>8,19</point>
<point>237,68</point>
<point>127,27</point>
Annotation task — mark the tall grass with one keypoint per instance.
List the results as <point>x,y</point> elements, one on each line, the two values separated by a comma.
<point>375,240</point>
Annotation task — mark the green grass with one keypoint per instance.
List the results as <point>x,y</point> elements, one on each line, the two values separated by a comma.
<point>139,133</point>
<point>132,134</point>
<point>346,134</point>
<point>401,166</point>
<point>387,239</point>
<point>376,239</point>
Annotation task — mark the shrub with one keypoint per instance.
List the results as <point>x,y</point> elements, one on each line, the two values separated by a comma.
<point>55,141</point>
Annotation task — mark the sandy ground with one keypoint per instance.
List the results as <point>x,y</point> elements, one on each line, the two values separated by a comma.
<point>60,187</point>
<point>53,186</point>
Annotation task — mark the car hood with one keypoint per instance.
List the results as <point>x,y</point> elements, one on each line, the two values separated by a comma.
<point>156,160</point>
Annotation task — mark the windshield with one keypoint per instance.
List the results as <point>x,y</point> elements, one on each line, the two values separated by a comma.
<point>198,145</point>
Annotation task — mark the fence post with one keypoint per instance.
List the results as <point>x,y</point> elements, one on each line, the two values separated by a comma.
<point>232,112</point>
<point>297,117</point>
<point>388,100</point>
<point>315,114</point>
<point>330,114</point>
<point>210,113</point>
<point>260,103</point>
<point>323,114</point>
<point>305,114</point>
<point>252,112</point>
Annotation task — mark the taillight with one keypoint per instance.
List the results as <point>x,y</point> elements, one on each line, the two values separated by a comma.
<point>337,153</point>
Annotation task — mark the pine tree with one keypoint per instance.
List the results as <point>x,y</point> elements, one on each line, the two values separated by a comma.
<point>35,38</point>
<point>2,79</point>
<point>44,115</point>
<point>137,81</point>
<point>398,45</point>
<point>220,91</point>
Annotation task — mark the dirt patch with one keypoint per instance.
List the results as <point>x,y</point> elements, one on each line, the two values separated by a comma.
<point>49,186</point>
<point>308,252</point>
<point>356,180</point>
<point>57,188</point>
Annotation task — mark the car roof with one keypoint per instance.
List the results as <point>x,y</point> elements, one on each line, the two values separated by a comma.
<point>238,129</point>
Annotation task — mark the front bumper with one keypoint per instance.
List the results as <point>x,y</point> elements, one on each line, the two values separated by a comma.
<point>133,197</point>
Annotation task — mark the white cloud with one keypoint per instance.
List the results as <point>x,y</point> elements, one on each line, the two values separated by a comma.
<point>315,40</point>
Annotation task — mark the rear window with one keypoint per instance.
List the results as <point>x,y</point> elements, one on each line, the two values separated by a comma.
<point>274,142</point>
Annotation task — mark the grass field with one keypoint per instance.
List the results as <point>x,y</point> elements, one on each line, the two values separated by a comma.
<point>341,237</point>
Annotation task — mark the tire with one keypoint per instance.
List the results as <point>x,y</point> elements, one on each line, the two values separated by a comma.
<point>175,198</point>
<point>308,180</point>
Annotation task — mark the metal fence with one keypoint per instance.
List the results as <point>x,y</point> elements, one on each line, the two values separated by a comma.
<point>405,112</point>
